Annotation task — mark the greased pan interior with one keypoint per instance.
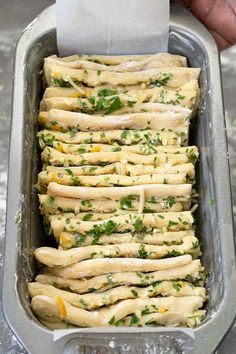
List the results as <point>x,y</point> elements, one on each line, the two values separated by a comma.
<point>189,38</point>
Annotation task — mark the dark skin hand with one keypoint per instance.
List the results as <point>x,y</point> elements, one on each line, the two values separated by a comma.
<point>219,16</point>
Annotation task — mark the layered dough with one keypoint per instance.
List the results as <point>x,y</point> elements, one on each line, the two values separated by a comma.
<point>176,76</point>
<point>57,205</point>
<point>116,193</point>
<point>128,100</point>
<point>56,158</point>
<point>52,257</point>
<point>68,239</point>
<point>122,137</point>
<point>93,300</point>
<point>175,60</point>
<point>181,267</point>
<point>65,121</point>
<point>150,310</point>
<point>121,63</point>
<point>45,178</point>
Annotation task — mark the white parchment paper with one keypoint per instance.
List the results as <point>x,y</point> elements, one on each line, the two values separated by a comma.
<point>112,26</point>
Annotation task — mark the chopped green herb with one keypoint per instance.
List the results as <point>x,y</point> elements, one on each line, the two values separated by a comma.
<point>87,217</point>
<point>115,105</point>
<point>155,283</point>
<point>90,290</point>
<point>86,203</point>
<point>179,96</point>
<point>134,320</point>
<point>195,245</point>
<point>83,302</point>
<point>106,92</point>
<point>152,200</point>
<point>124,134</point>
<point>73,132</point>
<point>177,286</point>
<point>126,202</point>
<point>170,201</point>
<point>174,253</point>
<point>163,81</point>
<point>76,181</point>
<point>92,169</point>
<point>116,148</point>
<point>212,201</point>
<point>172,223</point>
<point>61,82</point>
<point>112,321</point>
<point>138,225</point>
<point>145,311</point>
<point>49,201</point>
<point>79,240</point>
<point>92,100</point>
<point>69,171</point>
<point>110,227</point>
<point>54,123</point>
<point>131,103</point>
<point>142,253</point>
<point>192,157</point>
<point>134,292</point>
<point>82,105</point>
<point>81,150</point>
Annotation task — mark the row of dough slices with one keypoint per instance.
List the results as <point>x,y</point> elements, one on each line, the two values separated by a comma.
<point>130,99</point>
<point>124,84</point>
<point>55,205</point>
<point>172,311</point>
<point>122,137</point>
<point>56,158</point>
<point>65,120</point>
<point>134,242</point>
<point>54,305</point>
<point>119,63</point>
<point>174,76</point>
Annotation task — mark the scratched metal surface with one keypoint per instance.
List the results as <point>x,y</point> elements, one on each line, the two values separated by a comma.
<point>14,16</point>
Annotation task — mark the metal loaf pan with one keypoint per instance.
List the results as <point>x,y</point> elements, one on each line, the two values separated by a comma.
<point>214,226</point>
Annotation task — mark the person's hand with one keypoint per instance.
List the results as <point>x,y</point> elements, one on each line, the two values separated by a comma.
<point>219,16</point>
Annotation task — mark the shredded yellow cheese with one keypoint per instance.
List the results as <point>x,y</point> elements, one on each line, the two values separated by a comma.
<point>65,241</point>
<point>162,310</point>
<point>61,308</point>
<point>59,147</point>
<point>42,117</point>
<point>56,177</point>
<point>56,74</point>
<point>96,149</point>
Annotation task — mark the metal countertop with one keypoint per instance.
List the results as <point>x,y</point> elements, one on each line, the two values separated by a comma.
<point>15,15</point>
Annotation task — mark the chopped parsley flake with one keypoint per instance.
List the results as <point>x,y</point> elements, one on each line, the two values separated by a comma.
<point>177,286</point>
<point>170,201</point>
<point>212,201</point>
<point>134,292</point>
<point>87,217</point>
<point>126,202</point>
<point>142,253</point>
<point>49,201</point>
<point>134,319</point>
